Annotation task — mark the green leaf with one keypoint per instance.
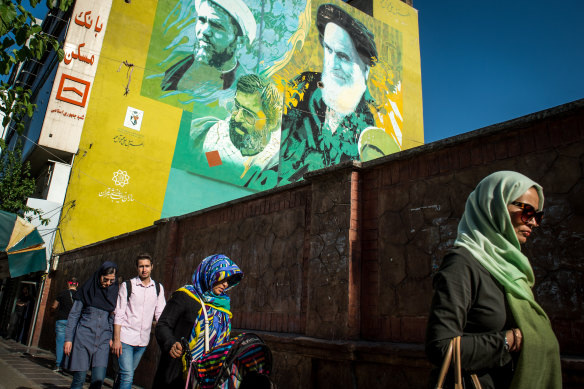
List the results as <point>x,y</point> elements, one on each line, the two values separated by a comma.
<point>61,54</point>
<point>7,16</point>
<point>22,34</point>
<point>7,42</point>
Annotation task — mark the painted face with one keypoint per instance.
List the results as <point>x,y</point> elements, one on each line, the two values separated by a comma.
<point>523,229</point>
<point>220,286</point>
<point>107,280</point>
<point>216,36</point>
<point>247,126</point>
<point>144,269</point>
<point>344,74</point>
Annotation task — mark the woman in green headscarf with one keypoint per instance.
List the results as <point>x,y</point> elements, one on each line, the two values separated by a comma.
<point>482,291</point>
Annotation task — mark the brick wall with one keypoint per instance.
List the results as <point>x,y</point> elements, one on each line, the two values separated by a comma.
<point>338,267</point>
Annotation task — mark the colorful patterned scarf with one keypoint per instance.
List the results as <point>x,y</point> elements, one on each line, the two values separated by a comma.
<point>212,269</point>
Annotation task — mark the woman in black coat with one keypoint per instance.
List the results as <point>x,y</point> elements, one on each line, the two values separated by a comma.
<point>181,324</point>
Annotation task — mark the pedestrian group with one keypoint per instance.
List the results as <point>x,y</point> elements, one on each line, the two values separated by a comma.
<point>483,309</point>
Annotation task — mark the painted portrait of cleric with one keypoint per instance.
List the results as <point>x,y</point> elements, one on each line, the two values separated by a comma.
<point>334,106</point>
<point>222,29</point>
<point>241,147</point>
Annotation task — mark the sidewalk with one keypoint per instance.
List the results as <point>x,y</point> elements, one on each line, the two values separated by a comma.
<point>31,368</point>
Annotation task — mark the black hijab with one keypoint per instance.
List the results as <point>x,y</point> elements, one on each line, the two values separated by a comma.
<point>92,294</point>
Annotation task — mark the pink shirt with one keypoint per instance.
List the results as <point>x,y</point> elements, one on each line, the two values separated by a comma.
<point>135,316</point>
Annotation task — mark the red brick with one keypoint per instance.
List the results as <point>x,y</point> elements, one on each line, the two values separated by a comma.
<point>292,323</point>
<point>385,329</point>
<point>527,141</point>
<point>488,151</point>
<point>476,155</point>
<point>370,224</point>
<point>370,234</point>
<point>542,136</point>
<point>385,176</point>
<point>395,170</point>
<point>413,329</point>
<point>369,250</point>
<point>514,145</point>
<point>501,148</point>
<point>395,328</point>
<point>444,159</point>
<point>464,156</point>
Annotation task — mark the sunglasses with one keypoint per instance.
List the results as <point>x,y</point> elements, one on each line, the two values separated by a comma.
<point>528,212</point>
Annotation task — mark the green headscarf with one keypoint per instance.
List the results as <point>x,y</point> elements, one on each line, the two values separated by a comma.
<point>487,232</point>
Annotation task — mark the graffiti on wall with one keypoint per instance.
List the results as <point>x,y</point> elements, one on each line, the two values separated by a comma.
<point>271,90</point>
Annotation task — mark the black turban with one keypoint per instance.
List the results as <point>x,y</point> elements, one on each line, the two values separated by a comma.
<point>363,39</point>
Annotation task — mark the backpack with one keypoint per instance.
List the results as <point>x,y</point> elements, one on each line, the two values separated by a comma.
<point>244,361</point>
<point>129,288</point>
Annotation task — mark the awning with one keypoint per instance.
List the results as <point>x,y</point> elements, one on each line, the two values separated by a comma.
<point>23,245</point>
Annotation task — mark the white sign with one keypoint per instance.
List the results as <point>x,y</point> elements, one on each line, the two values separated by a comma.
<point>133,118</point>
<point>71,90</point>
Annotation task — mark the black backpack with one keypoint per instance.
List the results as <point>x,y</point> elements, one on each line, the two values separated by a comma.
<point>129,288</point>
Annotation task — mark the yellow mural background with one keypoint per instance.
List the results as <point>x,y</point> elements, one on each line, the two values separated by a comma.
<point>405,19</point>
<point>91,218</point>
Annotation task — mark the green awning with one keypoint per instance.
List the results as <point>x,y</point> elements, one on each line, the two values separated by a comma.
<point>23,244</point>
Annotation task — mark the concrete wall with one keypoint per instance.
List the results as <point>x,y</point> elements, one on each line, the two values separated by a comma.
<point>338,268</point>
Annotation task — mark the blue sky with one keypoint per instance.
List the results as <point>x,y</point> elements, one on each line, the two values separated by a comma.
<point>485,62</point>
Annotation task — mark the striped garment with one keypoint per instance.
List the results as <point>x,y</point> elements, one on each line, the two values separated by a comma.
<point>225,365</point>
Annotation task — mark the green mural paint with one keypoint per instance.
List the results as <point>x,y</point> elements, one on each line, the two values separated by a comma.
<point>269,91</point>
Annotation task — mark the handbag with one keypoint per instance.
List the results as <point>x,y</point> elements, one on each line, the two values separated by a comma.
<point>453,355</point>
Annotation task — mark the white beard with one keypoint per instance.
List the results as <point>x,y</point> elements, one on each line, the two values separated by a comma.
<point>343,99</point>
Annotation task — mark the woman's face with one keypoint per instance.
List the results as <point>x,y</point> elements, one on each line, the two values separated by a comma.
<point>523,228</point>
<point>107,279</point>
<point>220,286</point>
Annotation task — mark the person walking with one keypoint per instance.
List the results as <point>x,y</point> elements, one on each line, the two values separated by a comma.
<point>88,336</point>
<point>140,300</point>
<point>62,305</point>
<point>482,292</point>
<point>182,323</point>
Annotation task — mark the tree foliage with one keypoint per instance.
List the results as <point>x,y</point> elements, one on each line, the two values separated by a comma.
<point>21,40</point>
<point>17,185</point>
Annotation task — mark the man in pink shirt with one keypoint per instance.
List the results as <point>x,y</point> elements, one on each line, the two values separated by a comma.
<point>134,314</point>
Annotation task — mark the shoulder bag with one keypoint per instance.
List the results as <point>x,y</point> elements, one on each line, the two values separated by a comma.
<point>453,355</point>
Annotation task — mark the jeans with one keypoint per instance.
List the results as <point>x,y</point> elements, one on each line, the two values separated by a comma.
<point>97,377</point>
<point>60,326</point>
<point>128,361</point>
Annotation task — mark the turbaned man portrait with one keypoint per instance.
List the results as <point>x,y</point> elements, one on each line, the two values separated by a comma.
<point>222,29</point>
<point>334,107</point>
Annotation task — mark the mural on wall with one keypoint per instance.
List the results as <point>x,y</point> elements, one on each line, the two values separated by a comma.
<point>269,91</point>
<point>220,99</point>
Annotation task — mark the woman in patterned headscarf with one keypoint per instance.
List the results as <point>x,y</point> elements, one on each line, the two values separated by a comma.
<point>182,323</point>
<point>482,291</point>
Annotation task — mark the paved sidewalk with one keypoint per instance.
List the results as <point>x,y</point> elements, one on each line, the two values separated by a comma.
<point>31,368</point>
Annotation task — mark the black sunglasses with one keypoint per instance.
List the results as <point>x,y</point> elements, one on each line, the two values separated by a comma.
<point>528,212</point>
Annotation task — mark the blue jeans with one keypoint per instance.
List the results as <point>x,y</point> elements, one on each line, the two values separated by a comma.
<point>128,362</point>
<point>60,326</point>
<point>97,377</point>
